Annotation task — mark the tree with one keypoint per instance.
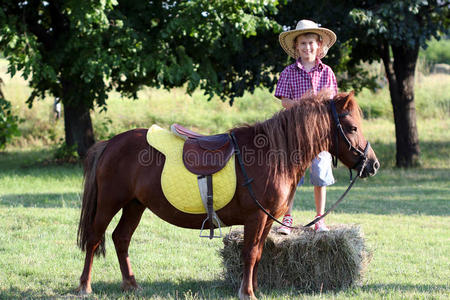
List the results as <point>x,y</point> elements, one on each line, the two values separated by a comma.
<point>57,46</point>
<point>368,30</point>
<point>8,121</point>
<point>80,50</point>
<point>394,31</point>
<point>390,30</point>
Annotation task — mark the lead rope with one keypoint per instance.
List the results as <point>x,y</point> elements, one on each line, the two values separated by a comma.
<point>248,182</point>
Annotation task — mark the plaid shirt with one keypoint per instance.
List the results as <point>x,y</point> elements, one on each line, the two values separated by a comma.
<point>295,81</point>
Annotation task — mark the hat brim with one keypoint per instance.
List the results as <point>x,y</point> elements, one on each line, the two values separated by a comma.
<point>287,40</point>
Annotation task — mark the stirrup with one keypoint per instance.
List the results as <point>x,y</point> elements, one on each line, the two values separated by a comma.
<point>217,223</point>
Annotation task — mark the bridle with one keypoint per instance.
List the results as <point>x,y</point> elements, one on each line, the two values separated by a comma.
<point>362,155</point>
<point>362,160</point>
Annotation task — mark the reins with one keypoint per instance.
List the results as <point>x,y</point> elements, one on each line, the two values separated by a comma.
<point>363,156</point>
<point>248,180</point>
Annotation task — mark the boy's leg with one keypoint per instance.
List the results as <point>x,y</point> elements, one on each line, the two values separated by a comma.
<point>320,197</point>
<point>321,177</point>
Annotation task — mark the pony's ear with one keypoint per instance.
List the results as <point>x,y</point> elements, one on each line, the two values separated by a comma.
<point>348,99</point>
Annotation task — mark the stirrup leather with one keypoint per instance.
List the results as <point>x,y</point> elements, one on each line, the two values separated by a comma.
<point>206,193</point>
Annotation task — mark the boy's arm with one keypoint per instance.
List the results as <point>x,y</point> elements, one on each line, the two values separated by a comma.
<point>331,82</point>
<point>283,90</point>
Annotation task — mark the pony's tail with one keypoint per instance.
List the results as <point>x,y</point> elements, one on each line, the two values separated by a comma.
<point>89,203</point>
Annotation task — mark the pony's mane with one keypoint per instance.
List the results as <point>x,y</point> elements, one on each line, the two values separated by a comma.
<point>296,135</point>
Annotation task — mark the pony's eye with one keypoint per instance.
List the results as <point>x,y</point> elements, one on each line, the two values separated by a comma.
<point>352,129</point>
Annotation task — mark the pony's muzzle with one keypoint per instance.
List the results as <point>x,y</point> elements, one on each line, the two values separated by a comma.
<point>370,169</point>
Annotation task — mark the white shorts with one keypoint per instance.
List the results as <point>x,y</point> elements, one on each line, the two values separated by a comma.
<point>320,172</point>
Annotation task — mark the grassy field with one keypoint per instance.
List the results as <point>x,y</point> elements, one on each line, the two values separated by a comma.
<point>403,213</point>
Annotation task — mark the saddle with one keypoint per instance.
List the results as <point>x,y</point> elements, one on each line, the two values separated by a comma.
<point>202,154</point>
<point>205,155</point>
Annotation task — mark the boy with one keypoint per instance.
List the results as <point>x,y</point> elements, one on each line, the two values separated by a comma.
<point>307,44</point>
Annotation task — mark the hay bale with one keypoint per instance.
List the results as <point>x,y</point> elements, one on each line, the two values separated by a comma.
<point>304,260</point>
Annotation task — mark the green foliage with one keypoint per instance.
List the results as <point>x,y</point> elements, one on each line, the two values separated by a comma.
<point>59,46</point>
<point>201,43</point>
<point>104,128</point>
<point>207,46</point>
<point>65,154</point>
<point>79,51</point>
<point>9,123</point>
<point>403,23</point>
<point>437,52</point>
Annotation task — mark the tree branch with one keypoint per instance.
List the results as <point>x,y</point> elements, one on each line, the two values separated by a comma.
<point>30,18</point>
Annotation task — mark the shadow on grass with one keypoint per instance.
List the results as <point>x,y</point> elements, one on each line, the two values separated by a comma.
<point>402,201</point>
<point>207,289</point>
<point>391,191</point>
<point>185,289</point>
<point>47,200</point>
<point>422,191</point>
<point>34,161</point>
<point>371,288</point>
<point>430,151</point>
<point>407,192</point>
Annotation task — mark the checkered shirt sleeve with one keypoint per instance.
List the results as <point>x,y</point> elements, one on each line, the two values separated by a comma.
<point>283,88</point>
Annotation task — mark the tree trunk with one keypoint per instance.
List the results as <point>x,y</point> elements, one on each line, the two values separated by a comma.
<point>77,119</point>
<point>78,128</point>
<point>400,74</point>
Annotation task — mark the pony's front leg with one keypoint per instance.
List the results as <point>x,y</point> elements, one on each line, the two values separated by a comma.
<point>261,246</point>
<point>254,230</point>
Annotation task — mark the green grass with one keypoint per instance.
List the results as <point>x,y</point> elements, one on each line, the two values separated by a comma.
<point>431,97</point>
<point>404,213</point>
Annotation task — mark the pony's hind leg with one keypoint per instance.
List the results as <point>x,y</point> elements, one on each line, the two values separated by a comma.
<point>95,238</point>
<point>131,215</point>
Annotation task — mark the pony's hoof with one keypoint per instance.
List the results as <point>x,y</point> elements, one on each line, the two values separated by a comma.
<point>242,296</point>
<point>83,290</point>
<point>247,297</point>
<point>131,286</point>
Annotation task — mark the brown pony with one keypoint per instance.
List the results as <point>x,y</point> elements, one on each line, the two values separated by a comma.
<point>282,148</point>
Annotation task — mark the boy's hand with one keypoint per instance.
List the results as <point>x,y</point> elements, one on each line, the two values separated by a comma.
<point>287,103</point>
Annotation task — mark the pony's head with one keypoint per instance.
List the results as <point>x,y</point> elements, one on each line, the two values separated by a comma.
<point>348,142</point>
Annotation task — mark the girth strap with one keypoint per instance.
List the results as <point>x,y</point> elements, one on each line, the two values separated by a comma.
<point>209,205</point>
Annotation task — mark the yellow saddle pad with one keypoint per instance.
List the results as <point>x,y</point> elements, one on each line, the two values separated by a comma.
<point>179,185</point>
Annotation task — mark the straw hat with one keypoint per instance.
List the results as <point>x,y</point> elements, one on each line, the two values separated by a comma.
<point>287,38</point>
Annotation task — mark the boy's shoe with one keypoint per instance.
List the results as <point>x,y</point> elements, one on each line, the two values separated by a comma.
<point>287,220</point>
<point>320,226</point>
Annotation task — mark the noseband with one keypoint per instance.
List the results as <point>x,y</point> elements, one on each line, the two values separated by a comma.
<point>362,155</point>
